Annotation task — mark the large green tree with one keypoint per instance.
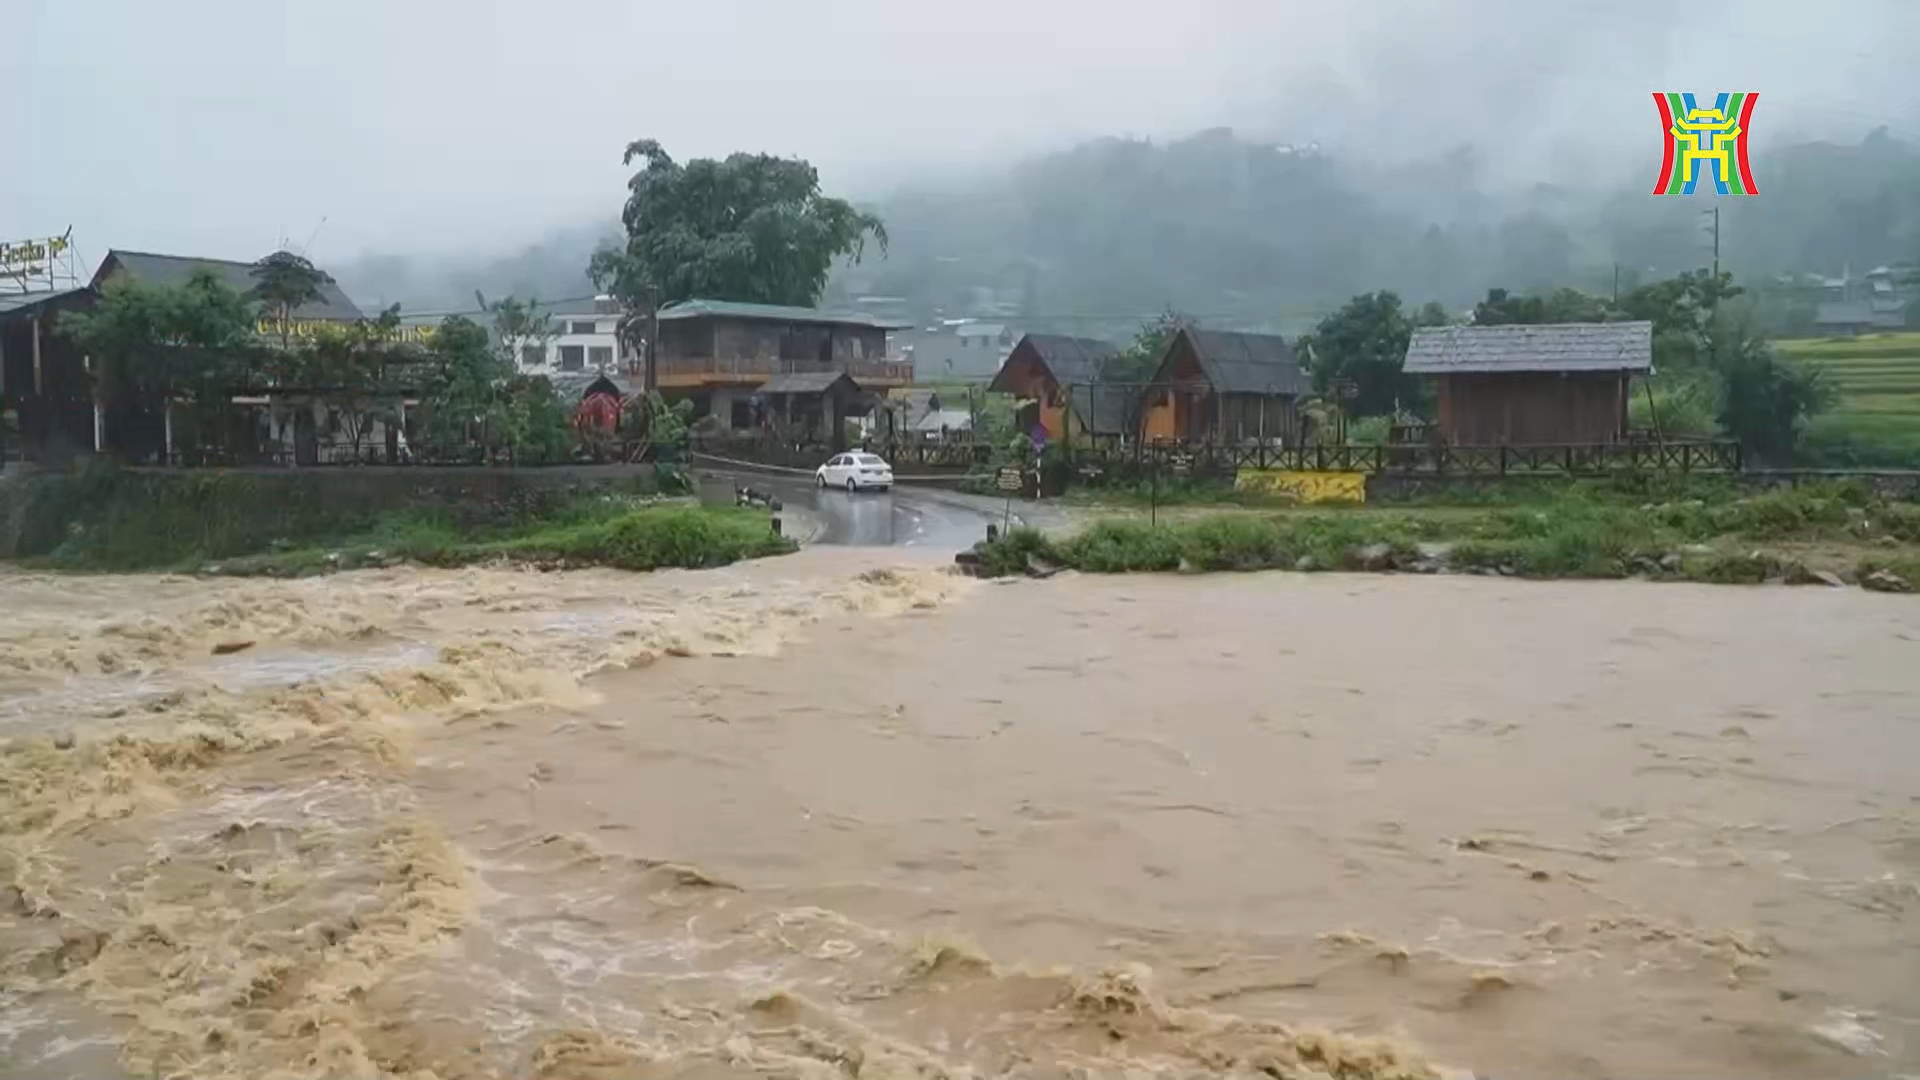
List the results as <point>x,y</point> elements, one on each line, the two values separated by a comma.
<point>360,371</point>
<point>284,282</point>
<point>187,340</point>
<point>1365,343</point>
<point>751,227</point>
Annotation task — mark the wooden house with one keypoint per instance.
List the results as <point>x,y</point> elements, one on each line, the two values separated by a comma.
<point>1062,376</point>
<point>718,352</point>
<point>1220,386</point>
<point>1533,385</point>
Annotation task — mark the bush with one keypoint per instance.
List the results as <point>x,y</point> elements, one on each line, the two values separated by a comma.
<point>648,539</point>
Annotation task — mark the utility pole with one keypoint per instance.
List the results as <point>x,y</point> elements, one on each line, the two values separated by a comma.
<point>650,379</point>
<point>1715,227</point>
<point>1616,283</point>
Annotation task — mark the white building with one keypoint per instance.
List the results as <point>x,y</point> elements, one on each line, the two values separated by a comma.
<point>582,337</point>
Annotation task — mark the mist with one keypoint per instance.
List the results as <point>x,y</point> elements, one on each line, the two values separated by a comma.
<point>428,149</point>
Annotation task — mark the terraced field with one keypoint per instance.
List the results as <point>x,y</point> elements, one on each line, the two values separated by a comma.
<point>1875,416</point>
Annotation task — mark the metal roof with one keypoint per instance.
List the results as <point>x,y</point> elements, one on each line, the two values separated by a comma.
<point>729,309</point>
<point>1240,363</point>
<point>1614,346</point>
<point>175,270</point>
<point>1070,359</point>
<point>12,302</point>
<point>805,382</point>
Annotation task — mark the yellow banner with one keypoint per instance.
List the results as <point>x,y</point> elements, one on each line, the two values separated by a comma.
<point>1306,487</point>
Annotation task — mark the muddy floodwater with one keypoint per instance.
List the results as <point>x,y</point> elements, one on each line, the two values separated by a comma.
<point>845,815</point>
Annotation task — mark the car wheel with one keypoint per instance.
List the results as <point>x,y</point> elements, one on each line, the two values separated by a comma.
<point>822,477</point>
<point>851,486</point>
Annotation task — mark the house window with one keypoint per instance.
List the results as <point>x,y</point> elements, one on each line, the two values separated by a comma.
<point>533,355</point>
<point>584,328</point>
<point>573,357</point>
<point>600,356</point>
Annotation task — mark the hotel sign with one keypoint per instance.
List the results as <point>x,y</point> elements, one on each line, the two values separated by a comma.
<point>309,329</point>
<point>30,257</point>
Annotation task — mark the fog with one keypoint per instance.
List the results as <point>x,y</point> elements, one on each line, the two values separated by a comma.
<point>455,134</point>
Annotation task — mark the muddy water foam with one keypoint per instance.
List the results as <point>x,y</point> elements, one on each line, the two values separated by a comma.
<point>885,822</point>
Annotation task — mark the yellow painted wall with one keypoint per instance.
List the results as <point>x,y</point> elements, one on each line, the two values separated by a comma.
<point>1306,487</point>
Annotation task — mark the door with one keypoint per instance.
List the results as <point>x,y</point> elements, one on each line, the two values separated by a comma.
<point>837,470</point>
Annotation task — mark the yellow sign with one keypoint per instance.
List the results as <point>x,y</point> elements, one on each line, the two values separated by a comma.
<point>1302,486</point>
<point>307,329</point>
<point>31,253</point>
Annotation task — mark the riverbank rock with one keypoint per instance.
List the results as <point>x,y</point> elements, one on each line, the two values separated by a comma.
<point>1373,558</point>
<point>1885,581</point>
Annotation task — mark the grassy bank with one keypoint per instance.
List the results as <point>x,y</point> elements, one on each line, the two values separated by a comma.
<point>606,532</point>
<point>108,519</point>
<point>1791,535</point>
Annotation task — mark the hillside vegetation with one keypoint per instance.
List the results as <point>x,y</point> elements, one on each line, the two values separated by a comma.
<point>1874,417</point>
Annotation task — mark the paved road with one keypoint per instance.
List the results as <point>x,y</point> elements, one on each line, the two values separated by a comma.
<point>907,516</point>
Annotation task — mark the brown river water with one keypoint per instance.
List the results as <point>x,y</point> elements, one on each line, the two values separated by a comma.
<point>845,815</point>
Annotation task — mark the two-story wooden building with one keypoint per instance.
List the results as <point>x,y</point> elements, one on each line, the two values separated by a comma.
<point>724,355</point>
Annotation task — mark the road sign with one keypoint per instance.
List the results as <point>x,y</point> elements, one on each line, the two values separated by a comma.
<point>1182,464</point>
<point>1010,479</point>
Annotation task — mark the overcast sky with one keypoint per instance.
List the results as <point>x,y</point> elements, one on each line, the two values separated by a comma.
<point>217,127</point>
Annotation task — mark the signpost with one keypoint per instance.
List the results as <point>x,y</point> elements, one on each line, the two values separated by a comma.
<point>1010,479</point>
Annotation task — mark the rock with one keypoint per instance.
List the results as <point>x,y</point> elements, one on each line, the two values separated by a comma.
<point>1306,564</point>
<point>228,648</point>
<point>1373,557</point>
<point>967,558</point>
<point>1828,577</point>
<point>1670,562</point>
<point>1505,570</point>
<point>64,740</point>
<point>1038,567</point>
<point>1426,566</point>
<point>1887,541</point>
<point>1885,581</point>
<point>1696,549</point>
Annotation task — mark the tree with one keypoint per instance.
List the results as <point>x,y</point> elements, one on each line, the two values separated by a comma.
<point>1365,342</point>
<point>283,282</point>
<point>1561,306</point>
<point>1761,401</point>
<point>192,342</point>
<point>752,227</point>
<point>460,386</point>
<point>520,327</point>
<point>1138,362</point>
<point>357,371</point>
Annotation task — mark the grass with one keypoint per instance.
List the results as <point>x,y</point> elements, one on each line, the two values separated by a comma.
<point>1581,533</point>
<point>607,532</point>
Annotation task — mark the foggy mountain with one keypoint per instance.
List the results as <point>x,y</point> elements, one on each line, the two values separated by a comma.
<point>1099,236</point>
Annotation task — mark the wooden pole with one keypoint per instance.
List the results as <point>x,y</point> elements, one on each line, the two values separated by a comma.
<point>39,380</point>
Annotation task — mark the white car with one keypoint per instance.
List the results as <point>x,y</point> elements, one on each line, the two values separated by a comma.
<point>855,471</point>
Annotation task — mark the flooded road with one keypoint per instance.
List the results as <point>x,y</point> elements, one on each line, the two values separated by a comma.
<point>843,814</point>
<point>924,516</point>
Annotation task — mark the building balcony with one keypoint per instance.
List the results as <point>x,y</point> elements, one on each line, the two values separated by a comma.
<point>751,371</point>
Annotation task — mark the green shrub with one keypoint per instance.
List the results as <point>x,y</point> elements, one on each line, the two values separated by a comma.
<point>1113,547</point>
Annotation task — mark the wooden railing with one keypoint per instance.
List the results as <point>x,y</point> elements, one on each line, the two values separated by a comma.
<point>1565,459</point>
<point>747,368</point>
